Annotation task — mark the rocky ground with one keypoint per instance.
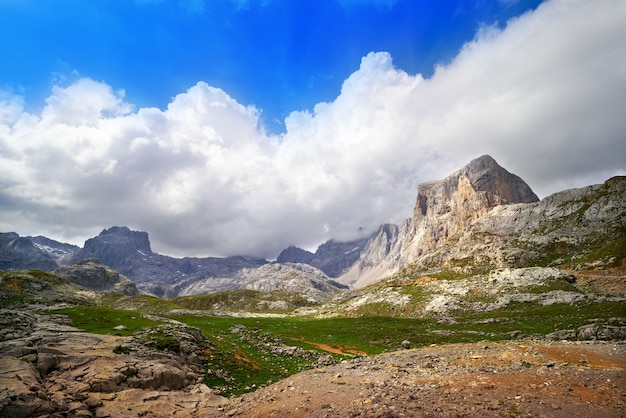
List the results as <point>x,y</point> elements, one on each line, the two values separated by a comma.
<point>476,380</point>
<point>49,369</point>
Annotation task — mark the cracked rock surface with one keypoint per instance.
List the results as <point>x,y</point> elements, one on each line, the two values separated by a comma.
<point>50,369</point>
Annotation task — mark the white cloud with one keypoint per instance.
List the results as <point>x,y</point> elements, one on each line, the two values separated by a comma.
<point>544,96</point>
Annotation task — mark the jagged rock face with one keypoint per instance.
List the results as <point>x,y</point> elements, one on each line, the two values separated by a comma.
<point>560,230</point>
<point>443,209</point>
<point>59,251</point>
<point>312,283</point>
<point>115,246</point>
<point>293,254</point>
<point>20,253</point>
<point>92,274</point>
<point>446,207</point>
<point>332,257</point>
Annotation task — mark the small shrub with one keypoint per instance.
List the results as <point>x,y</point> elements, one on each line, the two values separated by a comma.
<point>166,342</point>
<point>121,349</point>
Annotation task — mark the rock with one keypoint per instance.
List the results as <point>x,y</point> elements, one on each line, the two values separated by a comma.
<point>74,372</point>
<point>406,345</point>
<point>21,253</point>
<point>312,283</point>
<point>21,391</point>
<point>160,376</point>
<point>129,253</point>
<point>92,274</point>
<point>443,209</point>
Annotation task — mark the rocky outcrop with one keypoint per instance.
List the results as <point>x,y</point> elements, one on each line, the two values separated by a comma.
<point>20,253</point>
<point>332,257</point>
<point>312,283</point>
<point>47,367</point>
<point>443,209</point>
<point>577,229</point>
<point>129,252</point>
<point>92,274</point>
<point>37,288</point>
<point>59,251</point>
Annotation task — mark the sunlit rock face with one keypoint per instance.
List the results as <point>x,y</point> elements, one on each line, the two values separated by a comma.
<point>443,209</point>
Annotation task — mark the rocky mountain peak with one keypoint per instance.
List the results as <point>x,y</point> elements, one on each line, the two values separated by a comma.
<point>481,184</point>
<point>21,253</point>
<point>115,246</point>
<point>122,235</point>
<point>293,254</point>
<point>443,209</point>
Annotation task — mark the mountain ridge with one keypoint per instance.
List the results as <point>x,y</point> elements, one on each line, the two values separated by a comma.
<point>479,217</point>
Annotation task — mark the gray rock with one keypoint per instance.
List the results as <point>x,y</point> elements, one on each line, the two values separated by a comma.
<point>92,274</point>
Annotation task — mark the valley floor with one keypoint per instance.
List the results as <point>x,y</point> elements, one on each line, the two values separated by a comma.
<point>526,379</point>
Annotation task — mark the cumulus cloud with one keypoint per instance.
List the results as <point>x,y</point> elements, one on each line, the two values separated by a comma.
<point>543,96</point>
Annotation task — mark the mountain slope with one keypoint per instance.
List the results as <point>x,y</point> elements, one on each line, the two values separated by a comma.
<point>129,252</point>
<point>443,209</point>
<point>18,253</point>
<point>332,257</point>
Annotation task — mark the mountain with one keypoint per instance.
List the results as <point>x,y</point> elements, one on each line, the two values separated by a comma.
<point>21,253</point>
<point>59,251</point>
<point>443,209</point>
<point>332,257</point>
<point>479,218</point>
<point>91,274</point>
<point>483,217</point>
<point>312,283</point>
<point>578,229</point>
<point>129,252</point>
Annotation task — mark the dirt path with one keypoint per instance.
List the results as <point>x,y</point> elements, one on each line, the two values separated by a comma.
<point>474,380</point>
<point>342,350</point>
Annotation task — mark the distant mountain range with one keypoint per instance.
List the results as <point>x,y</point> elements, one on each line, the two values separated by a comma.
<point>478,218</point>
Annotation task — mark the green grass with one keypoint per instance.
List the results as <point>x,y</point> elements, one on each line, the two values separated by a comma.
<point>38,287</point>
<point>102,320</point>
<point>238,363</point>
<point>612,254</point>
<point>143,303</point>
<point>242,300</point>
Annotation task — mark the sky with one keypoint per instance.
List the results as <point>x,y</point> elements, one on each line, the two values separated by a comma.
<point>226,127</point>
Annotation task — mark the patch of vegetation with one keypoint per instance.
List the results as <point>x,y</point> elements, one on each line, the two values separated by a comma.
<point>449,275</point>
<point>237,365</point>
<point>102,320</point>
<point>121,349</point>
<point>40,274</point>
<point>19,287</point>
<point>143,303</point>
<point>164,342</point>
<point>610,254</point>
<point>532,319</point>
<point>550,286</point>
<point>244,300</point>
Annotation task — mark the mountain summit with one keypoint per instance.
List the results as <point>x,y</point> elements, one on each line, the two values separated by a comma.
<point>443,208</point>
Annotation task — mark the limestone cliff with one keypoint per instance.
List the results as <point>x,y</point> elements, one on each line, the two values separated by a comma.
<point>443,209</point>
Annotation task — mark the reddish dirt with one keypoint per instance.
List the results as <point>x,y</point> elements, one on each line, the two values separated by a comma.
<point>527,379</point>
<point>342,350</point>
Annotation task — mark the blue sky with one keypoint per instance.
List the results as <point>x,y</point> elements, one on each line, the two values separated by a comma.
<point>278,55</point>
<point>241,127</point>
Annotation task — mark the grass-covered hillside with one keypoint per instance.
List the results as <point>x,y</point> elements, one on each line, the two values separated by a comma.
<point>258,338</point>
